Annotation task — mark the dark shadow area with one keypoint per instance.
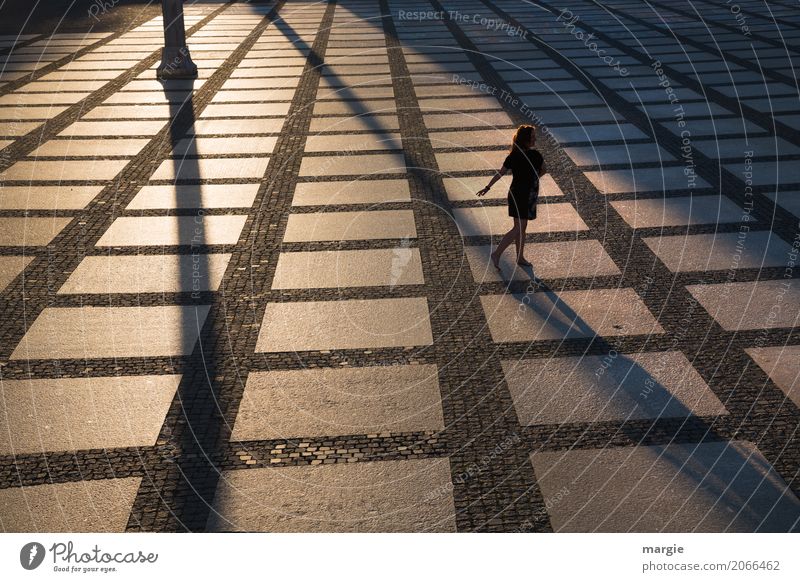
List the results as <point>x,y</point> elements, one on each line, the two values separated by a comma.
<point>197,394</point>
<point>193,406</point>
<point>53,16</point>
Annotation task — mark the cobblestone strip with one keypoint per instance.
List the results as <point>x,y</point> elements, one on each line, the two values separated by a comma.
<point>89,465</point>
<point>341,449</point>
<point>688,40</point>
<point>25,299</point>
<point>632,433</point>
<point>74,466</point>
<point>493,491</point>
<point>576,347</point>
<point>765,120</point>
<point>91,367</point>
<point>176,495</point>
<point>761,410</point>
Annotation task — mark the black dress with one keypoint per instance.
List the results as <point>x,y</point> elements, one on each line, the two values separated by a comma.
<point>525,168</point>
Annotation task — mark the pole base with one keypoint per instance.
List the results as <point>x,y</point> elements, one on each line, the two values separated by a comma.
<point>176,63</point>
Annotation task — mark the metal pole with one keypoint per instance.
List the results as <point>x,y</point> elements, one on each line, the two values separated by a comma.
<point>176,62</point>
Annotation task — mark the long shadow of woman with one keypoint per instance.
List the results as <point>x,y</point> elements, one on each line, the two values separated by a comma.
<point>711,485</point>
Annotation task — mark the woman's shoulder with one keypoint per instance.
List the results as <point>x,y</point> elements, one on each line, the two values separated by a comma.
<point>514,156</point>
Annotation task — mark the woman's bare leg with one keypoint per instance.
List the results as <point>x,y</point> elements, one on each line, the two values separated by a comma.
<point>508,238</point>
<point>520,240</point>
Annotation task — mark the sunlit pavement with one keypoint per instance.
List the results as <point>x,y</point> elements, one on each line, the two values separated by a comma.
<point>263,300</point>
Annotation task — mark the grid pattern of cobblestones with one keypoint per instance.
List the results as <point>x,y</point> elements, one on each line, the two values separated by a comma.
<point>458,354</point>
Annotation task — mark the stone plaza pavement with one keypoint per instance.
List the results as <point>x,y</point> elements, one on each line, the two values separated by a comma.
<point>262,301</point>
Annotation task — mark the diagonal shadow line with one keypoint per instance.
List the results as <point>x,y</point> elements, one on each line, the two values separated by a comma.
<point>196,323</point>
<point>716,478</point>
<point>199,329</point>
<point>345,92</point>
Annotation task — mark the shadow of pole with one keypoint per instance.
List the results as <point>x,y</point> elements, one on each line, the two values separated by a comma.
<point>202,431</point>
<point>200,422</point>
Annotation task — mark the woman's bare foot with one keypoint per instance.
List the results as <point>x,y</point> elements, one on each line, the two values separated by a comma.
<point>495,260</point>
<point>523,262</point>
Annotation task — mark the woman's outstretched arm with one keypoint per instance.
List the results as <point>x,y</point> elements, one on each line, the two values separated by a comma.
<point>499,174</point>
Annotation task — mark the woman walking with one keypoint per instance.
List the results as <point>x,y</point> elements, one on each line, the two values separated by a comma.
<point>527,166</point>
